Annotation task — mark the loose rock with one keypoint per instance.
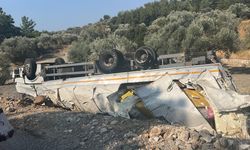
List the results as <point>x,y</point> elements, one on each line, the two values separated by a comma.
<point>10,109</point>
<point>39,100</point>
<point>103,130</point>
<point>155,132</point>
<point>223,142</point>
<point>113,122</point>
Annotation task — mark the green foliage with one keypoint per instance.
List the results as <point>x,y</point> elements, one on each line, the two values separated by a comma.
<point>49,42</point>
<point>19,48</point>
<point>4,68</point>
<point>240,10</point>
<point>169,26</point>
<point>212,30</point>
<point>106,17</point>
<point>68,38</point>
<point>27,27</point>
<point>227,39</point>
<point>134,33</point>
<point>154,10</point>
<point>245,41</point>
<point>7,28</point>
<point>88,51</point>
<point>98,30</point>
<point>79,51</point>
<point>74,31</point>
<point>166,33</point>
<point>194,33</point>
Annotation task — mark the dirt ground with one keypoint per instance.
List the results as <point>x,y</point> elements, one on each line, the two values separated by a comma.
<point>44,128</point>
<point>241,77</point>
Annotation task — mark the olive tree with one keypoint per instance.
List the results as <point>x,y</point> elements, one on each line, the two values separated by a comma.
<point>79,51</point>
<point>240,10</point>
<point>167,33</point>
<point>94,31</point>
<point>48,42</point>
<point>19,48</point>
<point>212,30</point>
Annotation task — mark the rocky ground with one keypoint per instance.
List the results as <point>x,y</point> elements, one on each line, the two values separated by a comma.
<point>44,127</point>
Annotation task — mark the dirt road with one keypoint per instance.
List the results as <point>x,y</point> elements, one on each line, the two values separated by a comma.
<point>241,77</point>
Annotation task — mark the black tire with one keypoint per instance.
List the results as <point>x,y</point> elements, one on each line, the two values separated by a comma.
<point>30,68</point>
<point>145,57</point>
<point>110,61</point>
<point>59,61</point>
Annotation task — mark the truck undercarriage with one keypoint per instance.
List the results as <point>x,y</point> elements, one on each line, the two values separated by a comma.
<point>198,96</point>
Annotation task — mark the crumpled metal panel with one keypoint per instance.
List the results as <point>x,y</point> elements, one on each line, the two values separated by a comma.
<point>224,101</point>
<point>87,98</point>
<point>165,99</point>
<point>221,99</point>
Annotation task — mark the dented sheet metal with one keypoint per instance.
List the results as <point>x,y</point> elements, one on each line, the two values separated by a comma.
<point>224,100</point>
<point>165,99</point>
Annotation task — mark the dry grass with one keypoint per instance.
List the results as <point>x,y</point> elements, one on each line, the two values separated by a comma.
<point>242,28</point>
<point>242,54</point>
<point>221,54</point>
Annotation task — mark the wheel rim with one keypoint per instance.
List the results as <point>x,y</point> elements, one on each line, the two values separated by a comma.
<point>141,56</point>
<point>109,60</point>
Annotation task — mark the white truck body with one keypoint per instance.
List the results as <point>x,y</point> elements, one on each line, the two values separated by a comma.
<point>155,88</point>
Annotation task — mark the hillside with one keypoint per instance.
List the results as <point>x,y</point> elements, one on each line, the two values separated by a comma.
<point>244,36</point>
<point>134,27</point>
<point>243,29</point>
<point>193,27</point>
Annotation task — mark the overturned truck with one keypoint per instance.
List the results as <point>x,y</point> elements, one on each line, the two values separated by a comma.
<point>197,96</point>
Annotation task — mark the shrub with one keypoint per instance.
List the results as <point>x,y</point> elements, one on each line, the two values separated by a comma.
<point>19,48</point>
<point>49,42</point>
<point>240,10</point>
<point>79,51</point>
<point>94,31</point>
<point>68,38</point>
<point>4,68</point>
<point>212,30</point>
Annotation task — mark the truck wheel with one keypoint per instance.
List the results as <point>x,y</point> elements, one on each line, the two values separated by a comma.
<point>59,61</point>
<point>145,57</point>
<point>110,61</point>
<point>30,68</point>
